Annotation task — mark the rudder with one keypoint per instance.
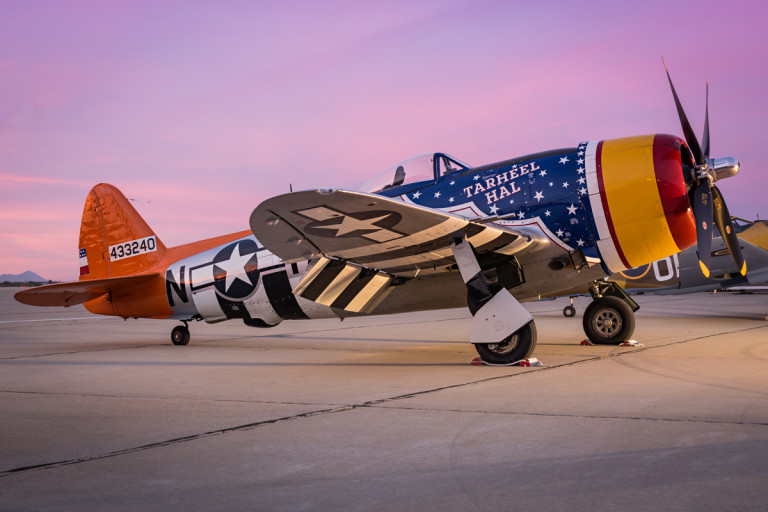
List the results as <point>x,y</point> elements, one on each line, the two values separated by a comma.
<point>114,239</point>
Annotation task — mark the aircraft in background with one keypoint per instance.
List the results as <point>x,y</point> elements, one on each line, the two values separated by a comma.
<point>680,274</point>
<point>431,232</point>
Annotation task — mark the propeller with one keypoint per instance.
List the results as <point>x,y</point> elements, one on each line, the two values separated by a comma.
<point>707,201</point>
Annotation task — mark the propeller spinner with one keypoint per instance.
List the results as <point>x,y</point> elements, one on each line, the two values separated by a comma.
<point>707,201</point>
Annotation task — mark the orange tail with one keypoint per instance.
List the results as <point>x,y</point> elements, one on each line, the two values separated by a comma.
<point>114,240</point>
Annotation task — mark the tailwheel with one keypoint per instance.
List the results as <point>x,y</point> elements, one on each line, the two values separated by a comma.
<point>569,311</point>
<point>609,321</point>
<point>515,347</point>
<point>180,335</point>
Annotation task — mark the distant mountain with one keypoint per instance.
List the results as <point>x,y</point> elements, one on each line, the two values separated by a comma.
<point>22,278</point>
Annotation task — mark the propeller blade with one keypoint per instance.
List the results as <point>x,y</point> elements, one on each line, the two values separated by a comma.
<point>690,138</point>
<point>725,225</point>
<point>702,212</point>
<point>705,139</point>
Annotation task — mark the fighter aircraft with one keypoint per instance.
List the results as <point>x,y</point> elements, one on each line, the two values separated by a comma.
<point>430,232</point>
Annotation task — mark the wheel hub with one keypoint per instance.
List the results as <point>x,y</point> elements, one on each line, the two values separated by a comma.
<point>505,346</point>
<point>607,322</point>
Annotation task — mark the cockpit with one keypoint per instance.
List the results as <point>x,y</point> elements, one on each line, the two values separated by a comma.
<point>422,169</point>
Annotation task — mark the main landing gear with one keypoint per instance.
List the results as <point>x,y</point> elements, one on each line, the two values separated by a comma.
<point>610,318</point>
<point>502,330</point>
<point>515,347</point>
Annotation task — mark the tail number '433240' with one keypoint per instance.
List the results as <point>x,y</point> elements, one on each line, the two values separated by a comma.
<point>132,248</point>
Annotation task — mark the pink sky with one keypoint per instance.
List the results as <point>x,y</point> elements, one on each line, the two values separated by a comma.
<point>198,111</point>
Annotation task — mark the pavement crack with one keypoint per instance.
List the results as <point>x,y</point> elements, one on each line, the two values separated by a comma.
<point>584,416</point>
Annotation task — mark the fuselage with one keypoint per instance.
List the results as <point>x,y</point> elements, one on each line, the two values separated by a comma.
<point>598,208</point>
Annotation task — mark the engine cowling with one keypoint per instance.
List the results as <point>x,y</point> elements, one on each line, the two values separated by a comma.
<point>638,197</point>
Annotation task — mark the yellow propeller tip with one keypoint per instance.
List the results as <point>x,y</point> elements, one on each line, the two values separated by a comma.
<point>744,269</point>
<point>704,269</point>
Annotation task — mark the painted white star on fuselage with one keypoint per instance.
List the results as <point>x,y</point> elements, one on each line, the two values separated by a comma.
<point>564,160</point>
<point>235,267</point>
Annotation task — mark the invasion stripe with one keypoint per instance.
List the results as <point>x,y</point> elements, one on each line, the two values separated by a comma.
<point>281,297</point>
<point>343,279</point>
<point>351,291</point>
<point>442,229</point>
<point>321,281</point>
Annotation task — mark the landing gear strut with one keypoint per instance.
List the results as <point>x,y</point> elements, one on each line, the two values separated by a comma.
<point>610,318</point>
<point>180,335</point>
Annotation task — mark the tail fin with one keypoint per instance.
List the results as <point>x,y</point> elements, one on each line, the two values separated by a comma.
<point>114,240</point>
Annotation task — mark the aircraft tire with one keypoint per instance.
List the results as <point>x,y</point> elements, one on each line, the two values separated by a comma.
<point>513,348</point>
<point>180,335</point>
<point>609,321</point>
<point>569,311</point>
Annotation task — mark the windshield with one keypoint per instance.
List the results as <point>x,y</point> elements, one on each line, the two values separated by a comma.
<point>417,169</point>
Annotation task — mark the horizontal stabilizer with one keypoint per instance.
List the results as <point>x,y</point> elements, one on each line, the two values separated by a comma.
<point>341,285</point>
<point>78,292</point>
